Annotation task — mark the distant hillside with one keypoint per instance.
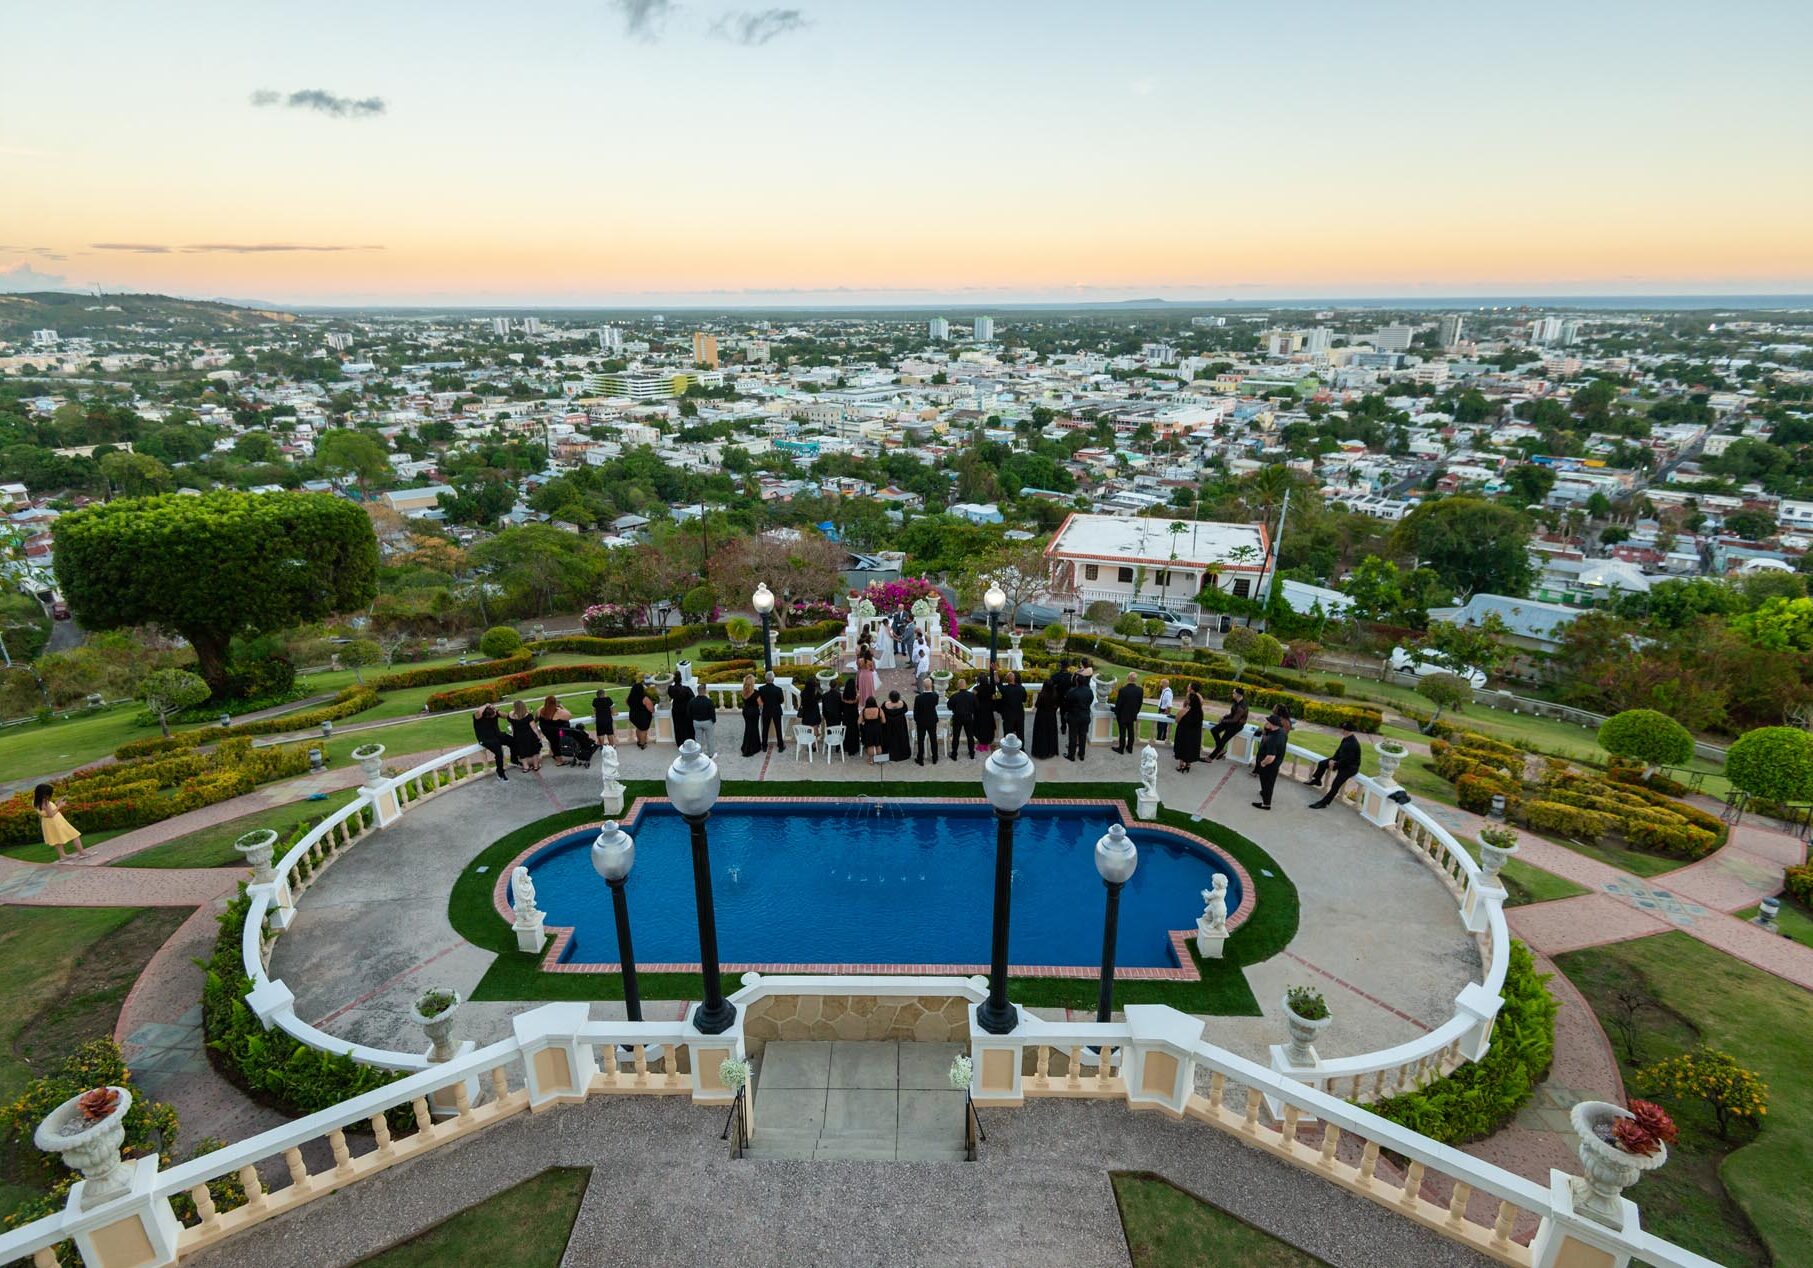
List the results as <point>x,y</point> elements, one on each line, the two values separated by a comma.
<point>71,315</point>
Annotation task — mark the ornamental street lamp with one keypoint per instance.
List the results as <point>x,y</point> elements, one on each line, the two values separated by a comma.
<point>1008,778</point>
<point>994,601</point>
<point>692,785</point>
<point>1115,858</point>
<point>613,854</point>
<point>763,603</point>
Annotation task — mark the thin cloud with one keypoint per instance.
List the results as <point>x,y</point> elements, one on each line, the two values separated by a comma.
<point>259,248</point>
<point>645,20</point>
<point>321,101</point>
<point>140,248</point>
<point>752,29</point>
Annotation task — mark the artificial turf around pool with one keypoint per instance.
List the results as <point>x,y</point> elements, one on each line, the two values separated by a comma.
<point>1223,989</point>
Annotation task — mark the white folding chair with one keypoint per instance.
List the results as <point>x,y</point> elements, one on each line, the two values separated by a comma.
<point>834,743</point>
<point>805,740</point>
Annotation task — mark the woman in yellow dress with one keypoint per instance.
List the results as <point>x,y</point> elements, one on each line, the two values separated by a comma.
<point>57,830</point>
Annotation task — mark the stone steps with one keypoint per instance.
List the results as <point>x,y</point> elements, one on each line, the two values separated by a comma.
<point>873,1102</point>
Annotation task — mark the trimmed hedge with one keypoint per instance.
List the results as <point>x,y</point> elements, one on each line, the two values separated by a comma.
<point>1475,793</point>
<point>1799,880</point>
<point>351,700</point>
<point>1482,1096</point>
<point>681,636</point>
<point>437,675</point>
<point>276,1069</point>
<point>553,675</point>
<point>1569,821</point>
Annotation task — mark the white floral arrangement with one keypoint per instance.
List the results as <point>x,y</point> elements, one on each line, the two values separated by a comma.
<point>733,1073</point>
<point>962,1069</point>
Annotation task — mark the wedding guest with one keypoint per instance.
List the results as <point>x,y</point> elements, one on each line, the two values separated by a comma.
<point>963,717</point>
<point>59,832</point>
<point>1045,722</point>
<point>1010,703</point>
<point>1231,724</point>
<point>925,719</point>
<point>894,729</point>
<point>525,744</point>
<point>872,728</point>
<point>752,718</point>
<point>680,696</point>
<point>810,715</point>
<point>485,730</point>
<point>552,719</point>
<point>1079,705</point>
<point>852,718</point>
<point>1187,747</point>
<point>983,724</point>
<point>1126,713</point>
<point>641,708</point>
<point>1165,703</point>
<point>704,717</point>
<point>774,702</point>
<point>603,717</point>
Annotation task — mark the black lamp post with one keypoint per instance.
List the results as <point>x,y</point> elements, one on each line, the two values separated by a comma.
<point>613,854</point>
<point>994,601</point>
<point>1115,858</point>
<point>763,603</point>
<point>692,785</point>
<point>1008,778</point>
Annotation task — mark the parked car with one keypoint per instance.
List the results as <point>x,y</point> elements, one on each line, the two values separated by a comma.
<point>1420,663</point>
<point>59,610</point>
<point>1175,626</point>
<point>1035,616</point>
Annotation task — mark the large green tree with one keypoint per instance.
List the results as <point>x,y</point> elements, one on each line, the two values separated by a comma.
<point>214,567</point>
<point>1475,546</point>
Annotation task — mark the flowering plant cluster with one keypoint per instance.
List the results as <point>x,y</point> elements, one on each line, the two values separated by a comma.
<point>603,619</point>
<point>899,596</point>
<point>802,610</point>
<point>1645,1132</point>
<point>1712,1076</point>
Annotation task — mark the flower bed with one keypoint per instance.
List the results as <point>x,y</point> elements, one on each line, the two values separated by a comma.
<point>900,595</point>
<point>354,699</point>
<point>436,675</point>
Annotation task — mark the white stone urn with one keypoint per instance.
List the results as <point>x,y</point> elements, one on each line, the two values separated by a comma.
<point>827,679</point>
<point>1391,756</point>
<point>1014,638</point>
<point>1303,1032</point>
<point>941,682</point>
<point>91,1146</point>
<point>438,1028</point>
<point>256,847</point>
<point>662,681</point>
<point>1609,1169</point>
<point>1495,849</point>
<point>1104,688</point>
<point>371,760</point>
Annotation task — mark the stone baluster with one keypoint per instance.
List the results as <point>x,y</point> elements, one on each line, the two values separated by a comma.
<point>500,1083</point>
<point>1413,1185</point>
<point>419,1108</point>
<point>641,1053</point>
<point>1218,1090</point>
<point>254,1187</point>
<point>292,1158</point>
<point>1251,1125</point>
<point>1457,1203</point>
<point>1042,1067</point>
<point>343,1158</point>
<point>611,1070</point>
<point>1074,1075</point>
<point>380,1130</point>
<point>1369,1163</point>
<point>1287,1134</point>
<point>462,1099</point>
<point>204,1207</point>
<point>45,1258</point>
<point>1501,1227</point>
<point>1331,1141</point>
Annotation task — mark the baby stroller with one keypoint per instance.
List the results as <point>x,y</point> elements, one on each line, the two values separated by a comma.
<point>577,746</point>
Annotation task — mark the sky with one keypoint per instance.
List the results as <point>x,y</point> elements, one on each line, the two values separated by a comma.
<point>966,151</point>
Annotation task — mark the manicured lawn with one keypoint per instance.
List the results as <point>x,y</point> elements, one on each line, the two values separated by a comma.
<point>1223,989</point>
<point>525,1227</point>
<point>213,847</point>
<point>1625,859</point>
<point>1702,1197</point>
<point>1527,884</point>
<point>29,749</point>
<point>38,852</point>
<point>1169,1228</point>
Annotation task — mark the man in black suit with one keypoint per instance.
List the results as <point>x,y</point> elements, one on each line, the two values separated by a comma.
<point>1346,762</point>
<point>1271,761</point>
<point>680,696</point>
<point>773,700</point>
<point>963,720</point>
<point>925,720</point>
<point>1126,713</point>
<point>704,715</point>
<point>1079,703</point>
<point>1230,725</point>
<point>1059,685</point>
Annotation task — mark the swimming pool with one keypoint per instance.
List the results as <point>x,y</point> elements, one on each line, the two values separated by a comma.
<point>905,885</point>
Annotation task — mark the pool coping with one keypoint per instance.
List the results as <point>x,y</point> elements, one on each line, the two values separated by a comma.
<point>1186,971</point>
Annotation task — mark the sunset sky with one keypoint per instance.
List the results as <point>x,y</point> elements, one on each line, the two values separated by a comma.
<point>658,152</point>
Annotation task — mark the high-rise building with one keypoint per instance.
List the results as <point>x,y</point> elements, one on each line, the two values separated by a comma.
<point>1393,338</point>
<point>1554,330</point>
<point>985,329</point>
<point>756,350</point>
<point>44,338</point>
<point>531,325</point>
<point>704,349</point>
<point>500,326</point>
<point>339,341</point>
<point>610,339</point>
<point>940,329</point>
<point>1452,326</point>
<point>1317,339</point>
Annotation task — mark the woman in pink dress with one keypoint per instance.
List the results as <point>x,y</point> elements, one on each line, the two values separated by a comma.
<point>868,682</point>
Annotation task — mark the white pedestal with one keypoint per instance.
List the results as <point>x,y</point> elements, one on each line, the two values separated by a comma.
<point>1376,805</point>
<point>1209,941</point>
<point>530,937</point>
<point>612,800</point>
<point>1146,805</point>
<point>384,803</point>
<point>441,1103</point>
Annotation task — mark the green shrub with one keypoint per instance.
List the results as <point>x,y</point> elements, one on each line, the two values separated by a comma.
<point>1576,822</point>
<point>499,641</point>
<point>1773,762</point>
<point>273,1067</point>
<point>1799,880</point>
<point>1475,792</point>
<point>1680,839</point>
<point>553,675</point>
<point>1644,735</point>
<point>1482,1096</point>
<point>436,675</point>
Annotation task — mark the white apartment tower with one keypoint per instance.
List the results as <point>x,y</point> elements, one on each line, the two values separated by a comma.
<point>339,341</point>
<point>531,325</point>
<point>1451,328</point>
<point>1317,340</point>
<point>1393,338</point>
<point>610,339</point>
<point>985,329</point>
<point>939,328</point>
<point>500,326</point>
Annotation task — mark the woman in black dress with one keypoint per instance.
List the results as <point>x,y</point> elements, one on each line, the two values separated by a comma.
<point>490,735</point>
<point>1012,702</point>
<point>641,711</point>
<point>984,723</point>
<point>1045,722</point>
<point>809,712</point>
<point>552,719</point>
<point>1187,747</point>
<point>525,745</point>
<point>852,718</point>
<point>603,711</point>
<point>752,718</point>
<point>871,727</point>
<point>895,740</point>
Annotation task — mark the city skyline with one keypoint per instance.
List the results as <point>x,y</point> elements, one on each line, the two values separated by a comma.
<point>646,153</point>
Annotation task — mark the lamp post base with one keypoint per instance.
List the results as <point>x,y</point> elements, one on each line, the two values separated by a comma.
<point>710,1020</point>
<point>997,1021</point>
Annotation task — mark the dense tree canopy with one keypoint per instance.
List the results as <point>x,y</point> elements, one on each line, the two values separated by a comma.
<point>1475,546</point>
<point>212,567</point>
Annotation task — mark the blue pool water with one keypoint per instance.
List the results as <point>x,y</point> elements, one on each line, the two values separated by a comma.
<point>878,883</point>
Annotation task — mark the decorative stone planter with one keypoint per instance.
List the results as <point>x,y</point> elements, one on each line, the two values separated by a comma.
<point>1104,688</point>
<point>1492,858</point>
<point>1014,638</point>
<point>1303,1032</point>
<point>827,679</point>
<point>371,760</point>
<point>1609,1170</point>
<point>438,1028</point>
<point>93,1148</point>
<point>661,682</point>
<point>256,847</point>
<point>941,682</point>
<point>1391,756</point>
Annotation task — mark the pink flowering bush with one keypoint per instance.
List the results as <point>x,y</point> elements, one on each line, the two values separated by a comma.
<point>901,595</point>
<point>604,619</point>
<point>808,611</point>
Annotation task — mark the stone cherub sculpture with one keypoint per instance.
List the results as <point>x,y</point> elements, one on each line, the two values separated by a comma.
<point>1148,772</point>
<point>1215,905</point>
<point>522,897</point>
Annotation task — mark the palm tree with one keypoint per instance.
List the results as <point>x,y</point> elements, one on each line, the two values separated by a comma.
<point>1176,529</point>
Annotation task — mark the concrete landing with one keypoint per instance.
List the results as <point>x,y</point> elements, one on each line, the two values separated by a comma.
<point>876,1102</point>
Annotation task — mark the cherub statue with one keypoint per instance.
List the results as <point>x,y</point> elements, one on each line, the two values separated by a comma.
<point>1215,905</point>
<point>608,764</point>
<point>1148,771</point>
<point>522,897</point>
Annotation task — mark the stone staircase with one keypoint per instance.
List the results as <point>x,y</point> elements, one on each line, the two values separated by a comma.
<point>876,1102</point>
